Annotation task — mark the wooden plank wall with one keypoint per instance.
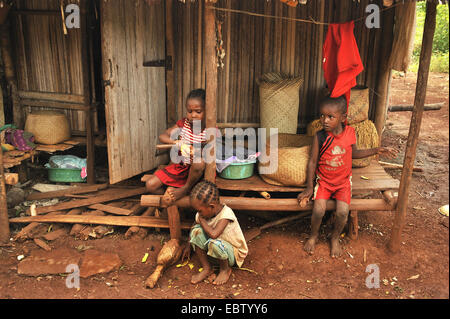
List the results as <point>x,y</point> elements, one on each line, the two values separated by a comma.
<point>255,45</point>
<point>46,59</point>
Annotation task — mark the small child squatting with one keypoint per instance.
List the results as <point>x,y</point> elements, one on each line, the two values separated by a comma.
<point>216,233</point>
<point>331,167</point>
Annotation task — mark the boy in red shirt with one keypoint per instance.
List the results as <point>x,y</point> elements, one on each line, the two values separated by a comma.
<point>332,166</point>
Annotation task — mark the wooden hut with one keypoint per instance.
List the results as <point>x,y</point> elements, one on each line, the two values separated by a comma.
<point>130,65</point>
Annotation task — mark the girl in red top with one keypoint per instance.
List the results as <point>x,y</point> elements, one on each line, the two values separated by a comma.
<point>331,164</point>
<point>182,176</point>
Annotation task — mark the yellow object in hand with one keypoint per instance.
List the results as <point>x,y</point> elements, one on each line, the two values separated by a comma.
<point>186,150</point>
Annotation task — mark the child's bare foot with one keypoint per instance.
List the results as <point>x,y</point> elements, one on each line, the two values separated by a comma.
<point>223,276</point>
<point>173,194</point>
<point>310,245</point>
<point>206,272</point>
<point>336,250</point>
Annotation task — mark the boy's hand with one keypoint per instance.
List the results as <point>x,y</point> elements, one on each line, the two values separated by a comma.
<point>388,152</point>
<point>303,197</point>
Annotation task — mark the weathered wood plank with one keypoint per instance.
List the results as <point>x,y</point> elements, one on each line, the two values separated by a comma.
<point>140,221</point>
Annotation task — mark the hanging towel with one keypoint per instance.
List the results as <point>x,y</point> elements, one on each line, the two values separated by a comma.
<point>342,62</point>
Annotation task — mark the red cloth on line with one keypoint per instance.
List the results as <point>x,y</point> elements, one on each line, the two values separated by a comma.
<point>342,62</point>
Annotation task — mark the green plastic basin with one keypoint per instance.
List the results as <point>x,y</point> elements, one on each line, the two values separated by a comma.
<point>238,170</point>
<point>65,175</point>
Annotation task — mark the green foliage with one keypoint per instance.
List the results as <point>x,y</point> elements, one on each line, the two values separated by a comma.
<point>439,60</point>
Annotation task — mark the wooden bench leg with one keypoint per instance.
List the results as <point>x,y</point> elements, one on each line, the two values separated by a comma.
<point>353,225</point>
<point>174,222</point>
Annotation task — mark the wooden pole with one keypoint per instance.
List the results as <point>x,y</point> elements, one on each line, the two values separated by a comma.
<point>211,90</point>
<point>10,74</point>
<point>273,204</point>
<point>4,223</point>
<point>414,128</point>
<point>384,75</point>
<point>88,102</point>
<point>170,52</point>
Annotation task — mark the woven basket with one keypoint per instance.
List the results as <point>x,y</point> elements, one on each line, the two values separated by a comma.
<point>279,102</point>
<point>366,137</point>
<point>293,156</point>
<point>358,108</point>
<point>48,127</point>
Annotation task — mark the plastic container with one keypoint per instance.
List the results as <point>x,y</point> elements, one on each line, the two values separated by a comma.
<point>65,175</point>
<point>238,170</point>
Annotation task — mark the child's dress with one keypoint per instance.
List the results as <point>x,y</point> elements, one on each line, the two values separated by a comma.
<point>334,169</point>
<point>229,245</point>
<point>176,174</point>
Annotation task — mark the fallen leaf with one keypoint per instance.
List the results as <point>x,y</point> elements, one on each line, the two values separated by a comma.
<point>413,277</point>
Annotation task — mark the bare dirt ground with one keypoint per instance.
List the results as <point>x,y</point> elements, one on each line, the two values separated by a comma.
<point>279,266</point>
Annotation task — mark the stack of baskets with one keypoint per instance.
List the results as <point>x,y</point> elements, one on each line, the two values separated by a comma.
<point>357,117</point>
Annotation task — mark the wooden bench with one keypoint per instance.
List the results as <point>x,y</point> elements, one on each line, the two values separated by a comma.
<point>372,178</point>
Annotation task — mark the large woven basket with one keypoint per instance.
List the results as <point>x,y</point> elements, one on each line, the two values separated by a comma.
<point>48,127</point>
<point>279,102</point>
<point>293,156</point>
<point>366,137</point>
<point>358,107</point>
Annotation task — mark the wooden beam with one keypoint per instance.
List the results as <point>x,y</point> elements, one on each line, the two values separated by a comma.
<point>111,209</point>
<point>52,96</point>
<point>68,191</point>
<point>211,90</point>
<point>95,200</point>
<point>427,107</point>
<point>273,204</point>
<point>414,128</point>
<point>139,221</point>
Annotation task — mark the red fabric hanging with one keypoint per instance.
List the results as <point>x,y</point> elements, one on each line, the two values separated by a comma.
<point>342,62</point>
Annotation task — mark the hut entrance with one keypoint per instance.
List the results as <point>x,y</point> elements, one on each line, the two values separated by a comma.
<point>133,51</point>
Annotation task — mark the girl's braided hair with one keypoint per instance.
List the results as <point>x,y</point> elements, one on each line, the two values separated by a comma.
<point>206,192</point>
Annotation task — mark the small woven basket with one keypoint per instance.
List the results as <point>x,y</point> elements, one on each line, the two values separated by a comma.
<point>279,102</point>
<point>293,156</point>
<point>48,127</point>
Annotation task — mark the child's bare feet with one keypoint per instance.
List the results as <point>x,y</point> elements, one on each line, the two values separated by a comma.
<point>173,194</point>
<point>206,272</point>
<point>223,276</point>
<point>336,250</point>
<point>310,245</point>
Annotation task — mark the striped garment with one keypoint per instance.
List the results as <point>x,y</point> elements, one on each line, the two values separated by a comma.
<point>187,135</point>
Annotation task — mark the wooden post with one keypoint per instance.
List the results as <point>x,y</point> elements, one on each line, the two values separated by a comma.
<point>211,90</point>
<point>384,75</point>
<point>4,221</point>
<point>170,52</point>
<point>85,49</point>
<point>174,222</point>
<point>10,74</point>
<point>353,225</point>
<point>414,128</point>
